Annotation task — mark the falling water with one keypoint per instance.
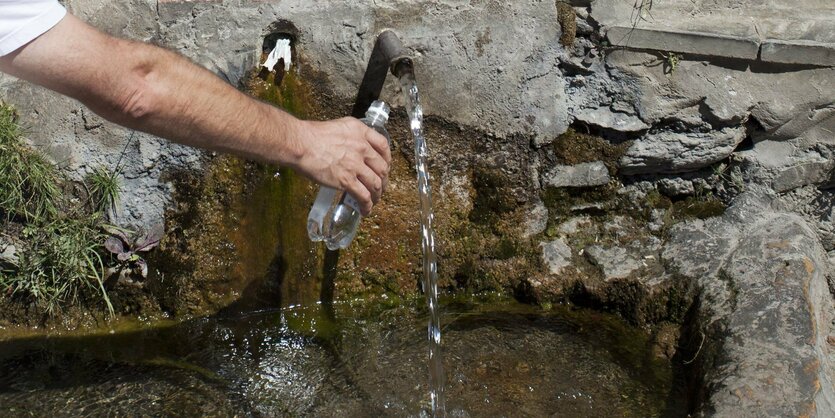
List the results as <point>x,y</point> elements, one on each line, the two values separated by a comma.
<point>430,262</point>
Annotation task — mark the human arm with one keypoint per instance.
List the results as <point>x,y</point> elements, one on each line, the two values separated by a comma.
<point>148,88</point>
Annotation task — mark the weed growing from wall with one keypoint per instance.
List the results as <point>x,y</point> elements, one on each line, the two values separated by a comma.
<point>59,246</point>
<point>29,183</point>
<point>61,262</point>
<point>104,190</point>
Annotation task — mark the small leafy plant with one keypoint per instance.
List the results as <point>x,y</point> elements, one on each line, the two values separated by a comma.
<point>671,62</point>
<point>127,248</point>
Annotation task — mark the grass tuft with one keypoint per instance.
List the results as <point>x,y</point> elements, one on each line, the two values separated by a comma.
<point>59,256</point>
<point>60,262</point>
<point>105,189</point>
<point>29,183</point>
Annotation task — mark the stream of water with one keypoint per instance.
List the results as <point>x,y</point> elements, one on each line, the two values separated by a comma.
<point>430,262</point>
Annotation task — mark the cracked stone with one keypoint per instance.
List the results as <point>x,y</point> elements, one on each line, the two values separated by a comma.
<point>677,152</point>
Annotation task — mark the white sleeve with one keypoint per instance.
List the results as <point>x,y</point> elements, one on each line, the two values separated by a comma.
<point>21,21</point>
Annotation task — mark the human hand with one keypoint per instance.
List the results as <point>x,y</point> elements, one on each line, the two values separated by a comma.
<point>347,155</point>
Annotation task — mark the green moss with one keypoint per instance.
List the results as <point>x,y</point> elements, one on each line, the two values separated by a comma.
<point>701,206</point>
<point>574,147</point>
<point>678,301</point>
<point>475,276</point>
<point>656,200</point>
<point>290,94</point>
<point>695,207</point>
<point>506,248</point>
<point>378,282</point>
<point>568,23</point>
<point>493,196</point>
<point>560,201</point>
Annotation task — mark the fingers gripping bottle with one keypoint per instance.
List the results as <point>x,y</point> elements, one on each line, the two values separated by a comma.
<point>335,215</point>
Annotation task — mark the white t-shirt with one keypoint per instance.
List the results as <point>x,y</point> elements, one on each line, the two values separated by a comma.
<point>21,21</point>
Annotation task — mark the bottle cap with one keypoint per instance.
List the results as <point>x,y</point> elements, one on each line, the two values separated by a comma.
<point>379,109</point>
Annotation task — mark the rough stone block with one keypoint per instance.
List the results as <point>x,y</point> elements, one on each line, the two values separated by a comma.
<point>615,262</point>
<point>580,175</point>
<point>762,275</point>
<point>678,152</point>
<point>801,175</point>
<point>8,253</point>
<point>556,255</point>
<point>608,119</point>
<point>537,220</point>
<point>709,44</point>
<point>798,52</point>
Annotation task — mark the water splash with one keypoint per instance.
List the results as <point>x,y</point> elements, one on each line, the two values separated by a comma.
<point>430,262</point>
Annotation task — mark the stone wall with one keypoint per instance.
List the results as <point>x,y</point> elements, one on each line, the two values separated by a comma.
<point>575,148</point>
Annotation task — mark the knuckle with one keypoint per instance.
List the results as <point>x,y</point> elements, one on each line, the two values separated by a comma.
<point>366,195</point>
<point>345,180</point>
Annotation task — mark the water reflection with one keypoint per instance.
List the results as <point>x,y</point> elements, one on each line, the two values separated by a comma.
<point>503,359</point>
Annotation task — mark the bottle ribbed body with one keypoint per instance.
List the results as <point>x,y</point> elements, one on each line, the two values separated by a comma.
<point>335,215</point>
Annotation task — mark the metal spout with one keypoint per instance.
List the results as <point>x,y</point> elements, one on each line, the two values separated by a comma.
<point>394,53</point>
<point>388,55</point>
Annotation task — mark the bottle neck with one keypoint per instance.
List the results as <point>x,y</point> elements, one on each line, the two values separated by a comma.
<point>376,119</point>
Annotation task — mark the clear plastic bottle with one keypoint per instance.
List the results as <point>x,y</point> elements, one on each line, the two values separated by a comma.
<point>321,209</point>
<point>335,221</point>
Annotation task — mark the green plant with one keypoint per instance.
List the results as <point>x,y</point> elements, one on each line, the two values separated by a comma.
<point>28,183</point>
<point>127,249</point>
<point>671,62</point>
<point>61,261</point>
<point>104,189</point>
<point>733,176</point>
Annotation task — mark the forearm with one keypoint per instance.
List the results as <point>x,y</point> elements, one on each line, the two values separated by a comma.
<point>167,95</point>
<point>157,91</point>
